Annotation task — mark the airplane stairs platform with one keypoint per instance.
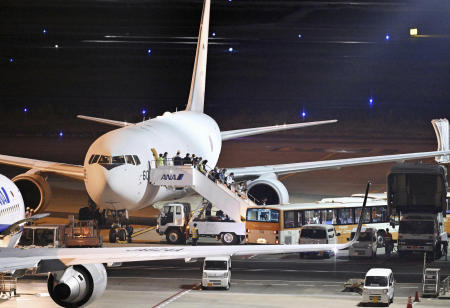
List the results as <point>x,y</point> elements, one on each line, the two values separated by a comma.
<point>217,193</point>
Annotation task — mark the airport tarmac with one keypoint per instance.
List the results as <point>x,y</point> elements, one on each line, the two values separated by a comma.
<point>262,281</point>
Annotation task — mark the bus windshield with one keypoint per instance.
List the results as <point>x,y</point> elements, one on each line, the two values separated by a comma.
<point>263,215</point>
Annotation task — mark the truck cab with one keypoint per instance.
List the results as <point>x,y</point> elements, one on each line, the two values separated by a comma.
<point>173,220</point>
<point>216,272</point>
<point>378,286</point>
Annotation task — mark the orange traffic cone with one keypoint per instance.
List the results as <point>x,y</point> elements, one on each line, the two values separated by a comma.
<point>409,304</point>
<point>416,297</point>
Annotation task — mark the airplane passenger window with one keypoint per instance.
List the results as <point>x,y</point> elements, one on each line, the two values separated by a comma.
<point>136,159</point>
<point>118,159</point>
<point>129,159</point>
<point>104,159</point>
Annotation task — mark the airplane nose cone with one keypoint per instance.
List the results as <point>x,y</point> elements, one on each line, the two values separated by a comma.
<point>111,188</point>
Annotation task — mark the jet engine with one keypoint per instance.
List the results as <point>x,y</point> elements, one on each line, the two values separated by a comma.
<point>36,192</point>
<point>78,285</point>
<point>268,186</point>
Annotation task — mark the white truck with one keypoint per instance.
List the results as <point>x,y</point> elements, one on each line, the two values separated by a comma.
<point>216,272</point>
<point>175,221</point>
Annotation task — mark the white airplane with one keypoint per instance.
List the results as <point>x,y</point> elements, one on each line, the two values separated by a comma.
<point>77,276</point>
<point>117,165</point>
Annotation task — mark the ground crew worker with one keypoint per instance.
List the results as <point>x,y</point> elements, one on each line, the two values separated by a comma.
<point>445,249</point>
<point>194,232</point>
<point>388,244</point>
<point>160,161</point>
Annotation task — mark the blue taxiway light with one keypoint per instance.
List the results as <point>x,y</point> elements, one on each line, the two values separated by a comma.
<point>230,0</point>
<point>214,34</point>
<point>299,36</point>
<point>149,51</point>
<point>371,102</point>
<point>144,111</point>
<point>387,37</point>
<point>60,134</point>
<point>25,109</point>
<point>11,60</point>
<point>230,49</point>
<point>44,31</point>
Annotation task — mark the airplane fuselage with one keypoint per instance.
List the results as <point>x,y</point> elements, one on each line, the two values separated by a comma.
<point>12,209</point>
<point>117,180</point>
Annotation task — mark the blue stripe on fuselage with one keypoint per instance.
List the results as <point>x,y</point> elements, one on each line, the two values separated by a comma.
<point>3,227</point>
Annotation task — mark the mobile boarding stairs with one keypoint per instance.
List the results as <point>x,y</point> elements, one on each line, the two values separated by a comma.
<point>217,193</point>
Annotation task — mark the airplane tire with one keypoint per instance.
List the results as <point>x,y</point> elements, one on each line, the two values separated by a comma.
<point>112,235</point>
<point>122,235</point>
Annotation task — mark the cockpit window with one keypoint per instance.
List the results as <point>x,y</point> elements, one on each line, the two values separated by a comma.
<point>118,159</point>
<point>136,159</point>
<point>94,158</point>
<point>129,159</point>
<point>104,159</point>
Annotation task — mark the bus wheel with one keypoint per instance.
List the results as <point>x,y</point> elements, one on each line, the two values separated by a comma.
<point>173,236</point>
<point>229,238</point>
<point>112,235</point>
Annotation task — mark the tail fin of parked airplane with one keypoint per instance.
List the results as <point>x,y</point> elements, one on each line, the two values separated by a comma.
<point>441,128</point>
<point>197,93</point>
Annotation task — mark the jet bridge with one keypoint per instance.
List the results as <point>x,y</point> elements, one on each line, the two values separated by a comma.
<point>217,193</point>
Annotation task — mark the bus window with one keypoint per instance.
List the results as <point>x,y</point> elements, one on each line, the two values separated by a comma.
<point>367,215</point>
<point>345,217</point>
<point>379,214</point>
<point>312,216</point>
<point>292,219</point>
<point>263,215</point>
<point>329,216</point>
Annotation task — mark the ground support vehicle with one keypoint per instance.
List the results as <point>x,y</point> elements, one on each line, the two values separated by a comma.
<point>280,224</point>
<point>318,234</point>
<point>378,286</point>
<point>431,282</point>
<point>366,245</point>
<point>417,193</point>
<point>216,272</point>
<point>8,285</point>
<point>82,233</point>
<point>175,221</point>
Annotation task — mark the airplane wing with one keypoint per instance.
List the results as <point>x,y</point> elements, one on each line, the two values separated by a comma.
<point>233,134</point>
<point>105,121</point>
<point>50,259</point>
<point>68,170</point>
<point>282,169</point>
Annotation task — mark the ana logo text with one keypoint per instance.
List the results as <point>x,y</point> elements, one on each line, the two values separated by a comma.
<point>172,177</point>
<point>4,199</point>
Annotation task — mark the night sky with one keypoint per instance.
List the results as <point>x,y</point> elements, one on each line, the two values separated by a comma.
<point>103,67</point>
